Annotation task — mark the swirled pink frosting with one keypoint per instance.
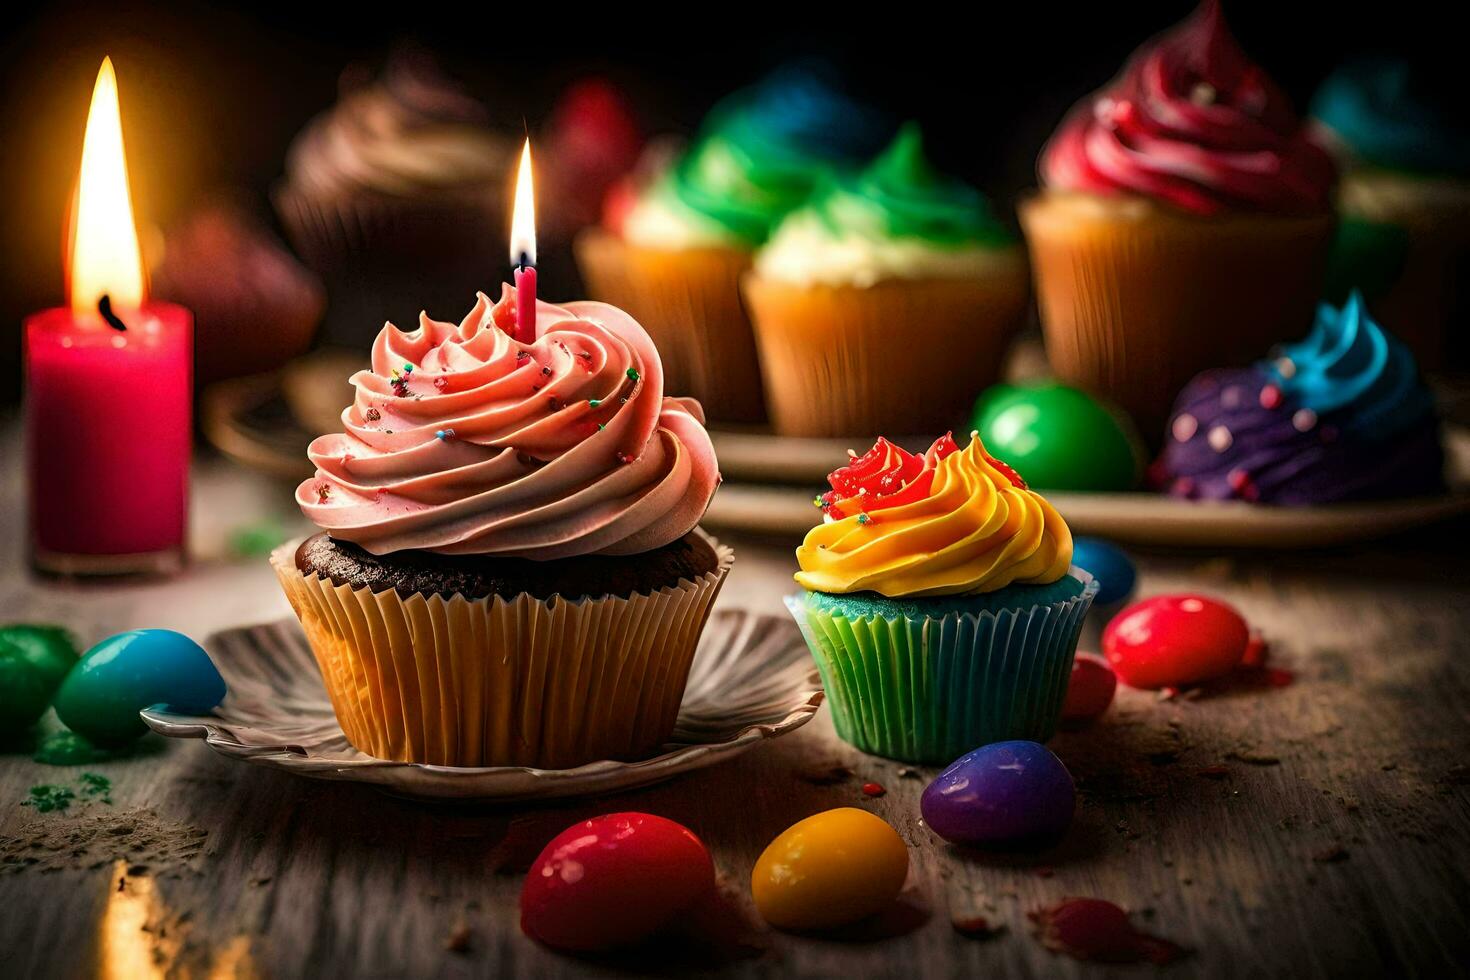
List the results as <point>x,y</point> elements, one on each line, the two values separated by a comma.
<point>462,440</point>
<point>1192,122</point>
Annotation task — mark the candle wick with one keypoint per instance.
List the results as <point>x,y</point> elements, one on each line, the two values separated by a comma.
<point>524,262</point>
<point>104,306</point>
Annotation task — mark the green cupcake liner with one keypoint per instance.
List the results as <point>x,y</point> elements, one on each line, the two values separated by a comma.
<point>927,681</point>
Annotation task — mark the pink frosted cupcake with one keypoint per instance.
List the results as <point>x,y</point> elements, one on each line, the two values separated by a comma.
<point>510,571</point>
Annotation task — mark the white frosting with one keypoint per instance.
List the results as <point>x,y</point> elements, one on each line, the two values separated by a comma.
<point>660,220</point>
<point>804,251</point>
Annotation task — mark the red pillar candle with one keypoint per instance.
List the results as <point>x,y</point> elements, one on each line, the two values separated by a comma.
<point>523,250</point>
<point>108,383</point>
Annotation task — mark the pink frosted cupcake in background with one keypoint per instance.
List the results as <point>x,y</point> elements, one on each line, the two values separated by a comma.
<point>509,570</point>
<point>395,196</point>
<point>1183,221</point>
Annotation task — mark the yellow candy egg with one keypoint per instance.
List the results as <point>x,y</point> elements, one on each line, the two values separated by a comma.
<point>829,870</point>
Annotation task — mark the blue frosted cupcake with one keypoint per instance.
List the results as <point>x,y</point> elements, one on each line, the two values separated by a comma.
<point>940,605</point>
<point>1340,416</point>
<point>1402,140</point>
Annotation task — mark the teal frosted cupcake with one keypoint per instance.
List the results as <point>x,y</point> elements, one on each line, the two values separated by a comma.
<point>940,605</point>
<point>1402,140</point>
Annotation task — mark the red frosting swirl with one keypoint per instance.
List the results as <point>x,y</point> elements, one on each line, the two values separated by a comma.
<point>1192,122</point>
<point>462,440</point>
<point>890,476</point>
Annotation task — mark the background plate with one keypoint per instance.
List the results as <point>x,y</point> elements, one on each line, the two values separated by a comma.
<point>752,679</point>
<point>1134,517</point>
<point>770,480</point>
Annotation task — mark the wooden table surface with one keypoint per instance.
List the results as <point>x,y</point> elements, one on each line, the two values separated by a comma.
<point>1314,829</point>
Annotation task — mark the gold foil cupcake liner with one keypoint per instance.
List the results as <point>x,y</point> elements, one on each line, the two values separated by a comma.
<point>546,683</point>
<point>1135,300</point>
<point>689,302</point>
<point>901,356</point>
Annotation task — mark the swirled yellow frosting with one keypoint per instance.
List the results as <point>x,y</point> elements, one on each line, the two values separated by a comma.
<point>950,522</point>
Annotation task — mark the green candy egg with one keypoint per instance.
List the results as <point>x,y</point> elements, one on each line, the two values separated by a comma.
<point>1059,437</point>
<point>24,693</point>
<point>51,650</point>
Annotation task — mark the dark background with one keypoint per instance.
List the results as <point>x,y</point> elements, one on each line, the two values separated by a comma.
<point>212,93</point>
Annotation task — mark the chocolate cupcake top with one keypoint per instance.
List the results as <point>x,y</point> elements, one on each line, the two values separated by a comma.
<point>464,441</point>
<point>1342,415</point>
<point>1193,123</point>
<point>949,522</point>
<point>410,133</point>
<point>412,573</point>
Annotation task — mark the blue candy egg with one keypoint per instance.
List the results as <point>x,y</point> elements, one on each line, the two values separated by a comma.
<point>104,691</point>
<point>1108,564</point>
<point>1005,794</point>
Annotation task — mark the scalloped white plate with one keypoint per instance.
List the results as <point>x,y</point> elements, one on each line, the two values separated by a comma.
<point>752,679</point>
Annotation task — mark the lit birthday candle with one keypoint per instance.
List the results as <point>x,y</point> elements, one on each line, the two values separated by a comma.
<point>523,250</point>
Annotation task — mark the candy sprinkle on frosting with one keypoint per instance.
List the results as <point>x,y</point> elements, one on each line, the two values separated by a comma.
<point>480,465</point>
<point>952,521</point>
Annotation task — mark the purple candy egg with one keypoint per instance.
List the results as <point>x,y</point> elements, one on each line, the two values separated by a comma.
<point>1005,794</point>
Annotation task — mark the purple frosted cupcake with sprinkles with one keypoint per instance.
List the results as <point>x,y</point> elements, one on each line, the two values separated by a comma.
<point>1341,416</point>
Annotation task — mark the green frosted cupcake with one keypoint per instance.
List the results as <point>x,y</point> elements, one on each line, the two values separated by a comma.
<point>673,257</point>
<point>940,605</point>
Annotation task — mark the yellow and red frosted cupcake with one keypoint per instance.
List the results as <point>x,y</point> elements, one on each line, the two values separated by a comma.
<point>940,602</point>
<point>510,571</point>
<point>1183,222</point>
<point>896,244</point>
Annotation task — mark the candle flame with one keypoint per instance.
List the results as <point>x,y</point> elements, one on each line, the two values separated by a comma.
<point>523,217</point>
<point>105,257</point>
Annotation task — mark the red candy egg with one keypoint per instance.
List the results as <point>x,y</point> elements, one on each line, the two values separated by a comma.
<point>1089,692</point>
<point>614,881</point>
<point>1175,641</point>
